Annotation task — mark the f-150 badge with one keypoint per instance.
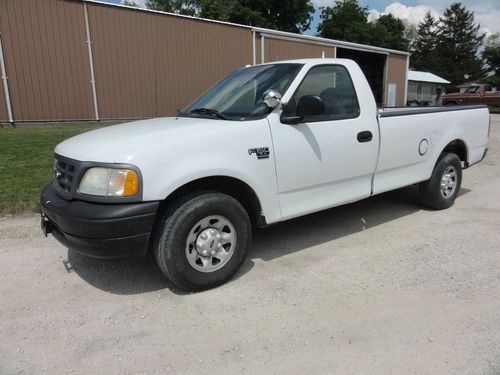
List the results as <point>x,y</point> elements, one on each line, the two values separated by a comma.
<point>261,152</point>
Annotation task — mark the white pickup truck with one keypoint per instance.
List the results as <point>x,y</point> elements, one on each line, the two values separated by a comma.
<point>267,143</point>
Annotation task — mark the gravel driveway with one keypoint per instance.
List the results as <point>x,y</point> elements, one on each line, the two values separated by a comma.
<point>380,287</point>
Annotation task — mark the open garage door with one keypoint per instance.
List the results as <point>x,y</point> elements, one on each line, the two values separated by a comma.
<point>372,65</point>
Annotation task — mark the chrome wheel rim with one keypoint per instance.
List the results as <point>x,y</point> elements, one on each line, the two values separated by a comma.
<point>448,181</point>
<point>210,243</point>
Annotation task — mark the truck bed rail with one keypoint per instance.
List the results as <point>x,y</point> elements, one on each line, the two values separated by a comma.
<point>407,111</point>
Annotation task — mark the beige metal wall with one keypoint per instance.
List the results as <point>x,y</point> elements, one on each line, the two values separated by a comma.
<point>123,48</point>
<point>279,49</point>
<point>193,55</point>
<point>46,59</point>
<point>150,64</point>
<point>3,108</point>
<point>396,73</point>
<point>146,64</point>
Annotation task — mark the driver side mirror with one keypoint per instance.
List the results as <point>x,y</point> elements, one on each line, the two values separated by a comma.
<point>271,98</point>
<point>308,106</point>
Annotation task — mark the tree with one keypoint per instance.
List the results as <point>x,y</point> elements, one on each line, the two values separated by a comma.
<point>388,32</point>
<point>424,52</point>
<point>220,10</point>
<point>458,44</point>
<point>187,7</point>
<point>491,57</point>
<point>287,15</point>
<point>346,20</point>
<point>294,16</point>
<point>491,54</point>
<point>130,3</point>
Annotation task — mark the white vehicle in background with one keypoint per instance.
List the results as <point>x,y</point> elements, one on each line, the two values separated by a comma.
<point>266,144</point>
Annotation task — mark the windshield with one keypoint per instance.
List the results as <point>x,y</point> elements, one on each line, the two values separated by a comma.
<point>239,95</point>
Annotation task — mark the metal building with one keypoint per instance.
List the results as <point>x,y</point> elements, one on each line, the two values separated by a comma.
<point>425,88</point>
<point>63,60</point>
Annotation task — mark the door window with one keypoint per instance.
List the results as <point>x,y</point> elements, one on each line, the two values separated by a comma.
<point>334,86</point>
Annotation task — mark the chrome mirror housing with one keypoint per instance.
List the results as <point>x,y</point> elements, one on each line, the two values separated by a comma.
<point>271,98</point>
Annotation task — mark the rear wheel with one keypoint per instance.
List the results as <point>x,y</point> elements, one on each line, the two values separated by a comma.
<point>441,190</point>
<point>202,240</point>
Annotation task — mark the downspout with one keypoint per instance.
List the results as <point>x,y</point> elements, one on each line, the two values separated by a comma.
<point>4,78</point>
<point>406,79</point>
<point>91,62</point>
<point>254,57</point>
<point>262,60</point>
<point>385,85</point>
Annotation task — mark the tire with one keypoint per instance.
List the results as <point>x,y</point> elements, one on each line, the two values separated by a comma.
<point>202,222</point>
<point>431,193</point>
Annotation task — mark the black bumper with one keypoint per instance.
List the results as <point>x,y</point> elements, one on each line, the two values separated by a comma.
<point>96,229</point>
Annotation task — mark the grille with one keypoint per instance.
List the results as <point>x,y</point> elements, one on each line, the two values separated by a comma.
<point>64,175</point>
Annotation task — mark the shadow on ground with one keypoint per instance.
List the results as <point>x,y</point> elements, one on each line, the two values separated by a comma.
<point>140,276</point>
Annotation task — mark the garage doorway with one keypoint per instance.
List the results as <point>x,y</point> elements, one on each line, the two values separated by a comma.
<point>372,65</point>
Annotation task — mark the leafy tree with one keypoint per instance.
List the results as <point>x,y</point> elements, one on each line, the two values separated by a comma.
<point>286,15</point>
<point>424,52</point>
<point>491,54</point>
<point>388,32</point>
<point>220,10</point>
<point>346,20</point>
<point>130,3</point>
<point>491,57</point>
<point>187,7</point>
<point>458,44</point>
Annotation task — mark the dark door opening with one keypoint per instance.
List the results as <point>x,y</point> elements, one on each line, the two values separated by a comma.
<point>372,65</point>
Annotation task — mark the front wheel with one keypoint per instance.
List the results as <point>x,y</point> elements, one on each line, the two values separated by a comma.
<point>202,240</point>
<point>440,191</point>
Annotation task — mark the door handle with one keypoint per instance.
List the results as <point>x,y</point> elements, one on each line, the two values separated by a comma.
<point>365,136</point>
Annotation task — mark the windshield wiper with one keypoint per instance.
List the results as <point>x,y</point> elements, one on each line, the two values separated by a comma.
<point>210,112</point>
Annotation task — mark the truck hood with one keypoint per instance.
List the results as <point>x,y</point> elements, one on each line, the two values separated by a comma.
<point>126,142</point>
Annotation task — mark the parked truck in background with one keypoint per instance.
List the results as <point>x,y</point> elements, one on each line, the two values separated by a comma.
<point>267,143</point>
<point>474,94</point>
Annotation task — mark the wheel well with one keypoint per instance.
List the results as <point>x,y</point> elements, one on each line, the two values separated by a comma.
<point>458,147</point>
<point>223,184</point>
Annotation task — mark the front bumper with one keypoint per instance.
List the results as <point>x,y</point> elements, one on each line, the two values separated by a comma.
<point>96,229</point>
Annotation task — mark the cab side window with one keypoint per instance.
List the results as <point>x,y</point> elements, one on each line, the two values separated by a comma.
<point>334,86</point>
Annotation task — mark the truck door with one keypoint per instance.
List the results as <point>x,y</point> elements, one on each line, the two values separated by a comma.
<point>326,160</point>
<point>473,95</point>
<point>490,97</point>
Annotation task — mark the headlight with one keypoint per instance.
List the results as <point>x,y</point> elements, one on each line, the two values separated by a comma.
<point>109,182</point>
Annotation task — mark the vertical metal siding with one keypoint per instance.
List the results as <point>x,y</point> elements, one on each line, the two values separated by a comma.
<point>396,73</point>
<point>192,56</point>
<point>123,55</point>
<point>45,53</point>
<point>4,117</point>
<point>150,64</point>
<point>279,49</point>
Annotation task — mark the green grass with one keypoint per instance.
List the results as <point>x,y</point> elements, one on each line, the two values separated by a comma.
<point>494,109</point>
<point>26,157</point>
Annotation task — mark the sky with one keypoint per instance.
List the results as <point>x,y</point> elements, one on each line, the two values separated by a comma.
<point>487,12</point>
